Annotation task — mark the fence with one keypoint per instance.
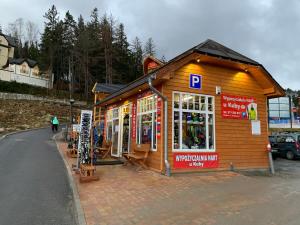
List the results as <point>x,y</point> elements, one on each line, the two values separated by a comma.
<point>7,75</point>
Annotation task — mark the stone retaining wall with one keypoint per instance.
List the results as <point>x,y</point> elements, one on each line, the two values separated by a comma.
<point>15,96</point>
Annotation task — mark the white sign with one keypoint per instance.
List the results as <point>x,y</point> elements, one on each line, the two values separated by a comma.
<point>255,127</point>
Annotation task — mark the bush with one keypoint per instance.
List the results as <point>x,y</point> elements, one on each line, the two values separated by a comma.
<point>14,87</point>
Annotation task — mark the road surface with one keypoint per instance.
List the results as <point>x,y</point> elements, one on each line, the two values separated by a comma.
<point>34,186</point>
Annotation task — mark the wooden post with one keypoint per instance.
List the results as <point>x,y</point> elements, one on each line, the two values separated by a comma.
<point>92,145</point>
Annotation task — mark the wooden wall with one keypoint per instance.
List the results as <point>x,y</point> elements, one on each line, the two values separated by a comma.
<point>234,140</point>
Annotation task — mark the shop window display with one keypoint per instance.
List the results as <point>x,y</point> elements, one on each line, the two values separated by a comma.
<point>146,126</point>
<point>193,122</point>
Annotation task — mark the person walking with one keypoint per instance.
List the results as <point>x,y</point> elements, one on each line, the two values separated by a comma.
<point>55,123</point>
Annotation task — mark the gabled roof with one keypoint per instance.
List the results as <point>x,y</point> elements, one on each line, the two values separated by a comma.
<point>208,47</point>
<point>213,48</point>
<point>107,88</point>
<point>10,40</point>
<point>31,63</point>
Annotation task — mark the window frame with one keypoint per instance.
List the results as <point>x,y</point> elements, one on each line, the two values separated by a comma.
<point>206,112</point>
<point>139,115</point>
<point>110,119</point>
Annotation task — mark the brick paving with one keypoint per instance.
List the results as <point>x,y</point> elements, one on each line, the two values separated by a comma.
<point>126,196</point>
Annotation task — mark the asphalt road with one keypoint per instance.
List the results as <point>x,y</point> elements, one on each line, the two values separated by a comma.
<point>34,186</point>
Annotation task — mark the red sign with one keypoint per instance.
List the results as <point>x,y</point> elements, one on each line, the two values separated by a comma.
<point>158,119</point>
<point>195,160</point>
<point>133,121</point>
<point>238,107</point>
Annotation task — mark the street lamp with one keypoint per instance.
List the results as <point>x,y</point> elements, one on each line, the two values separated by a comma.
<point>71,114</point>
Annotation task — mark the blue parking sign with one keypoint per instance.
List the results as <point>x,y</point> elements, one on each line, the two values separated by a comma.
<point>195,81</point>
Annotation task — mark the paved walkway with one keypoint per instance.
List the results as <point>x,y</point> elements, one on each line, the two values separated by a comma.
<point>125,196</point>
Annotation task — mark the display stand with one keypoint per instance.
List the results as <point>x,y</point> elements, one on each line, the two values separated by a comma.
<point>87,170</point>
<point>72,153</point>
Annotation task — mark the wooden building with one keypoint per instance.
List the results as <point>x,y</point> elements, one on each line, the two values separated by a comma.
<point>206,109</point>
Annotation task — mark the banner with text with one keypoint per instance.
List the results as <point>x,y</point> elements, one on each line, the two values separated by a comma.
<point>195,160</point>
<point>238,107</point>
<point>133,121</point>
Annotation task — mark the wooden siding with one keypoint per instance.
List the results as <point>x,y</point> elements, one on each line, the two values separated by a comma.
<point>234,141</point>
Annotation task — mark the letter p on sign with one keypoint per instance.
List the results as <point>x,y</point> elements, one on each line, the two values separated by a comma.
<point>195,81</point>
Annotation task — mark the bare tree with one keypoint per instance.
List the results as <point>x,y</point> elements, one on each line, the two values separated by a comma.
<point>16,29</point>
<point>31,32</point>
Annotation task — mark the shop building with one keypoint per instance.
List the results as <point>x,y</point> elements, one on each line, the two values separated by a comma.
<point>206,109</point>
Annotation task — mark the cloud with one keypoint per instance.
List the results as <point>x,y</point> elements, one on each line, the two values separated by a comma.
<point>266,30</point>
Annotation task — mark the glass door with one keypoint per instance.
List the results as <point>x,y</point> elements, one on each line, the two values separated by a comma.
<point>125,129</point>
<point>115,133</point>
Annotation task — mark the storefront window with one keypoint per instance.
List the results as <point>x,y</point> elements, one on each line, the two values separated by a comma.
<point>193,122</point>
<point>112,121</point>
<point>146,125</point>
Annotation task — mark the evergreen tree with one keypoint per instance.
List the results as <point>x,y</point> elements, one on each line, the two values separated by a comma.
<point>137,57</point>
<point>107,24</point>
<point>149,48</point>
<point>67,47</point>
<point>99,50</point>
<point>25,50</point>
<point>50,43</point>
<point>81,49</point>
<point>33,52</point>
<point>121,56</point>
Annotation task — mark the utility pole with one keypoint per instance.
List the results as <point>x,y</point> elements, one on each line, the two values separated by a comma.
<point>70,78</point>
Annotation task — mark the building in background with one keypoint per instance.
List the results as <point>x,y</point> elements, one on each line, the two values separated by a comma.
<point>18,69</point>
<point>283,113</point>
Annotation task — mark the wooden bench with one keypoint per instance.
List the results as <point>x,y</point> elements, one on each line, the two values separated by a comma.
<point>139,155</point>
<point>104,150</point>
<point>87,173</point>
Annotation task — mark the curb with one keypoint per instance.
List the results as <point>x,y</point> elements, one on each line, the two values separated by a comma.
<point>21,131</point>
<point>79,211</point>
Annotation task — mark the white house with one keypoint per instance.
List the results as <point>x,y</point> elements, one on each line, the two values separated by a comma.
<point>19,69</point>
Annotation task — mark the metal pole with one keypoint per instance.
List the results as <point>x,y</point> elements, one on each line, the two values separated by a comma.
<point>272,170</point>
<point>164,98</point>
<point>290,111</point>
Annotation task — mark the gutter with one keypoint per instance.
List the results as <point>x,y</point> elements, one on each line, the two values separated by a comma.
<point>167,164</point>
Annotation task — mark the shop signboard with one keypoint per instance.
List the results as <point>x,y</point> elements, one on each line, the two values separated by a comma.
<point>195,160</point>
<point>238,107</point>
<point>195,81</point>
<point>85,129</point>
<point>133,121</point>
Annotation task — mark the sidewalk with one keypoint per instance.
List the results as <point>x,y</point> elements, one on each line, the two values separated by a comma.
<point>126,196</point>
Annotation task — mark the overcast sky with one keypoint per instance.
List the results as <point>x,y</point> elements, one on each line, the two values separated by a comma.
<point>264,30</point>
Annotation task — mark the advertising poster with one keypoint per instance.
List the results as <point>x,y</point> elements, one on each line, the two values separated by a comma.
<point>158,121</point>
<point>195,160</point>
<point>133,121</point>
<point>238,107</point>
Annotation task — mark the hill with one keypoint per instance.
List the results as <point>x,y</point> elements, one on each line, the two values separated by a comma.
<point>24,114</point>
